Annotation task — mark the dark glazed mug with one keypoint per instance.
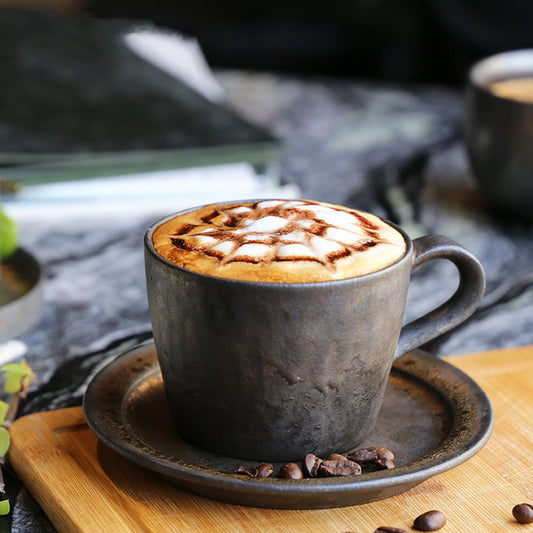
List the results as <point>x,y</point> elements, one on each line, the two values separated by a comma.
<point>272,371</point>
<point>499,134</point>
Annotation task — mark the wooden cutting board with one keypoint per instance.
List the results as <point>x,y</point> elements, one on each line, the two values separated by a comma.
<point>57,458</point>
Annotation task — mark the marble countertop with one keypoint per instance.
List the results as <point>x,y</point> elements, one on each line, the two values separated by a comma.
<point>394,150</point>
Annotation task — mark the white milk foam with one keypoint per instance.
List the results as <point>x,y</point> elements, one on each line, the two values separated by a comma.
<point>291,236</point>
<point>277,231</point>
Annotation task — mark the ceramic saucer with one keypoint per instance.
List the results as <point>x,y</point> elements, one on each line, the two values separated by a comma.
<point>434,418</point>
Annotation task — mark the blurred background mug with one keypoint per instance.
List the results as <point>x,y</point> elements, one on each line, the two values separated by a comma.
<point>499,130</point>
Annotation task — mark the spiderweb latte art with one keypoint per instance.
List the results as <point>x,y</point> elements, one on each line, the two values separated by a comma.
<point>279,241</point>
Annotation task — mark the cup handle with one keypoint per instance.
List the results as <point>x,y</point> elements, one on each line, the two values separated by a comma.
<point>459,307</point>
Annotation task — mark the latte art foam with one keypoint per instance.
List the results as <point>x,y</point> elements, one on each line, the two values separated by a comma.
<point>290,241</point>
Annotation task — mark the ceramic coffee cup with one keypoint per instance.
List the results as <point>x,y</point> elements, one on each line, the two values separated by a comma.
<point>272,371</point>
<point>499,131</point>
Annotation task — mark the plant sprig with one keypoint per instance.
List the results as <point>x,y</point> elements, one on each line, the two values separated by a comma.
<point>17,379</point>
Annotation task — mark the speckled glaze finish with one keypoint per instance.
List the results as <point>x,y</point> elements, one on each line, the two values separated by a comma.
<point>271,371</point>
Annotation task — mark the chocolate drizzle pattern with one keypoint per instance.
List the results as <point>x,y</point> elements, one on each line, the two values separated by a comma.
<point>278,231</point>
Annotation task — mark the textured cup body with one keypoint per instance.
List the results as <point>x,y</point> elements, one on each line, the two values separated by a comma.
<point>272,371</point>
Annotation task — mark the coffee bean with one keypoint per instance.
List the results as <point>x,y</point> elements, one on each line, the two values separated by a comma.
<point>338,466</point>
<point>385,463</point>
<point>265,470</point>
<point>370,454</point>
<point>363,455</point>
<point>523,512</point>
<point>261,471</point>
<point>337,457</point>
<point>291,471</point>
<point>378,456</point>
<point>247,471</point>
<point>389,529</point>
<point>384,453</point>
<point>310,465</point>
<point>430,521</point>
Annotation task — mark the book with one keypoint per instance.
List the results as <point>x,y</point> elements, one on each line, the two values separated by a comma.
<point>82,98</point>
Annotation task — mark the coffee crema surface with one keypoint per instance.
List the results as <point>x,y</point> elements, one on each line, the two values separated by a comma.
<point>280,241</point>
<point>519,89</point>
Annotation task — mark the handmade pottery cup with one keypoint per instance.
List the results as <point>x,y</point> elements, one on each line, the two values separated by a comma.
<point>272,371</point>
<point>499,131</point>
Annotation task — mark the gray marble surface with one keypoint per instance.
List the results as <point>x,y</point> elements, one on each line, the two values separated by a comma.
<point>396,151</point>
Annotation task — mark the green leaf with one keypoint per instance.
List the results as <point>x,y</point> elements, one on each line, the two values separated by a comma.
<point>4,408</point>
<point>12,383</point>
<point>16,376</point>
<point>8,236</point>
<point>18,368</point>
<point>5,441</point>
<point>4,507</point>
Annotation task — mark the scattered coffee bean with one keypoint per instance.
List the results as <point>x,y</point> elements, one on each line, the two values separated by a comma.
<point>523,513</point>
<point>430,521</point>
<point>389,529</point>
<point>337,457</point>
<point>310,465</point>
<point>370,454</point>
<point>291,471</point>
<point>247,471</point>
<point>385,463</point>
<point>335,465</point>
<point>338,465</point>
<point>261,471</point>
<point>265,470</point>
<point>378,456</point>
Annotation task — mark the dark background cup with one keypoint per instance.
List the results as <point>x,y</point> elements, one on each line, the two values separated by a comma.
<point>272,371</point>
<point>499,135</point>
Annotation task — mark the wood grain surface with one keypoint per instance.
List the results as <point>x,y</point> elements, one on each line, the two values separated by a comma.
<point>88,488</point>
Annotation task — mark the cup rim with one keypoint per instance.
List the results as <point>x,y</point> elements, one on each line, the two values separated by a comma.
<point>150,247</point>
<point>499,67</point>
